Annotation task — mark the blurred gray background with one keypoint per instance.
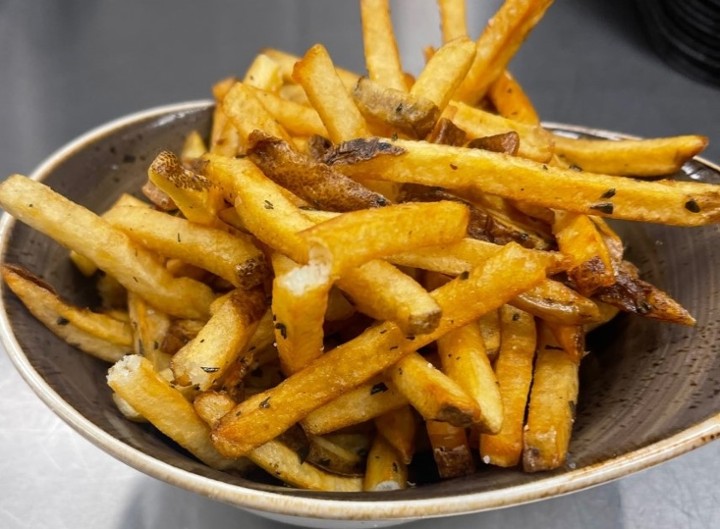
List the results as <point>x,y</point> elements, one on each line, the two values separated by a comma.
<point>70,65</point>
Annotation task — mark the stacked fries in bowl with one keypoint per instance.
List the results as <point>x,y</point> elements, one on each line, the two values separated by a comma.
<point>357,284</point>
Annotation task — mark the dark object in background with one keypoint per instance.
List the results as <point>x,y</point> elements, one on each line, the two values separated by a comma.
<point>686,34</point>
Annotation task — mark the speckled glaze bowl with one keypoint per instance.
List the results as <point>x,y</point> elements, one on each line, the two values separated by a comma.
<point>649,391</point>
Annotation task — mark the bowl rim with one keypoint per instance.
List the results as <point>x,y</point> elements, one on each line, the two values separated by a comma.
<point>338,508</point>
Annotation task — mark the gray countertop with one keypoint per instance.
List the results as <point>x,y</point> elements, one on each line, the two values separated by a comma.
<point>69,66</point>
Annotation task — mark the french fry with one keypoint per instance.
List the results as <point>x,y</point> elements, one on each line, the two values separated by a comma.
<point>498,43</point>
<point>511,101</point>
<point>150,327</point>
<point>384,231</point>
<point>640,158</point>
<point>383,292</point>
<point>136,382</point>
<point>395,109</point>
<point>313,181</point>
<point>555,302</point>
<point>317,75</point>
<point>464,359</point>
<point>366,402</point>
<point>193,147</point>
<point>551,410</point>
<point>92,332</point>
<point>276,457</point>
<point>247,114</point>
<point>253,422</point>
<point>299,303</point>
<point>224,138</point>
<point>664,202</point>
<point>206,358</point>
<point>444,72</point>
<point>385,469</point>
<point>264,73</point>
<point>453,20</point>
<point>287,62</point>
<point>451,450</point>
<point>514,370</point>
<point>233,257</point>
<point>535,142</point>
<point>196,198</point>
<point>399,428</point>
<point>79,229</point>
<point>504,142</point>
<point>335,458</point>
<point>433,394</point>
<point>381,52</point>
<point>570,337</point>
<point>489,325</point>
<point>295,118</point>
<point>591,263</point>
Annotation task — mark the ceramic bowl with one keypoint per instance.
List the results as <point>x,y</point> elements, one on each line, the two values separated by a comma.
<point>649,391</point>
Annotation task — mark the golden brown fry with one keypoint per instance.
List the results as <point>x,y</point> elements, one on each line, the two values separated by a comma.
<point>555,302</point>
<point>665,202</point>
<point>489,325</point>
<point>287,62</point>
<point>365,402</point>
<point>254,421</point>
<point>135,381</point>
<point>447,133</point>
<point>196,198</point>
<point>453,20</point>
<point>511,101</point>
<point>95,333</point>
<point>79,229</point>
<point>451,450</point>
<point>299,303</point>
<point>264,73</point>
<point>570,337</point>
<point>384,231</point>
<point>434,395</point>
<point>150,328</point>
<point>642,158</point>
<point>327,94</point>
<point>551,410</point>
<point>535,142</point>
<point>498,43</point>
<point>233,257</point>
<point>276,457</point>
<point>247,114</point>
<point>193,147</point>
<point>383,292</point>
<point>399,427</point>
<point>295,118</point>
<point>591,263</point>
<point>513,368</point>
<point>382,58</point>
<point>206,358</point>
<point>444,72</point>
<point>385,469</point>
<point>464,359</point>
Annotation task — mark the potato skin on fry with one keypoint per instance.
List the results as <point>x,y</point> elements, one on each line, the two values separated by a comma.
<point>317,183</point>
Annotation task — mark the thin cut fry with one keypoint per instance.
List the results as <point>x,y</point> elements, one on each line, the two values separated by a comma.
<point>453,20</point>
<point>318,77</point>
<point>253,422</point>
<point>94,333</point>
<point>399,428</point>
<point>381,53</point>
<point>385,468</point>
<point>136,382</point>
<point>513,368</point>
<point>551,410</point>
<point>511,101</point>
<point>451,450</point>
<point>79,229</point>
<point>643,158</point>
<point>664,202</point>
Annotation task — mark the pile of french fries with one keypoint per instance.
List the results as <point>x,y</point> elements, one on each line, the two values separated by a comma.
<point>354,269</point>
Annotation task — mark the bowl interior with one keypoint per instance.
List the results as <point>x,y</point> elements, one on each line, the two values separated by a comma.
<point>643,382</point>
